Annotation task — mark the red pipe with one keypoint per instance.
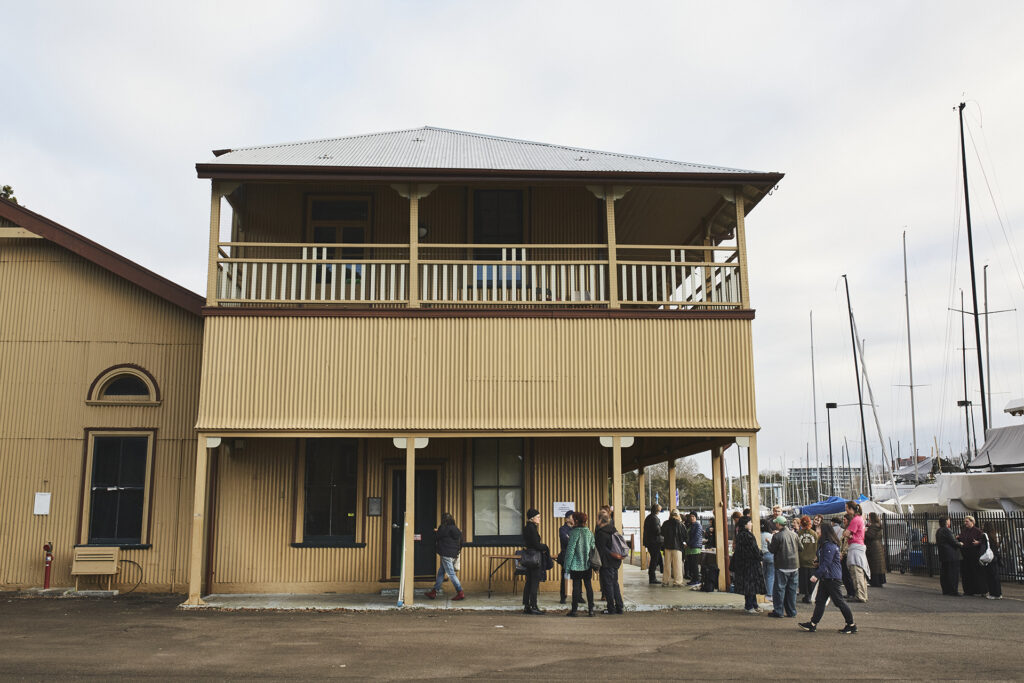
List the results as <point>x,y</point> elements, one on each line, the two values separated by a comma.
<point>48,547</point>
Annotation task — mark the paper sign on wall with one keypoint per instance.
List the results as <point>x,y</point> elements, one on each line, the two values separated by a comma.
<point>563,507</point>
<point>42,506</point>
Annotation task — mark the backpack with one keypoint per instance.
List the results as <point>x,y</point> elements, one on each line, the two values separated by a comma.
<point>710,582</point>
<point>617,547</point>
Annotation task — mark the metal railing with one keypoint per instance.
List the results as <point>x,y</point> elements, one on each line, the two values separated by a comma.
<point>457,275</point>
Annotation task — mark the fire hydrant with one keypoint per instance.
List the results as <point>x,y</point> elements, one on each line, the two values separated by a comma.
<point>48,548</point>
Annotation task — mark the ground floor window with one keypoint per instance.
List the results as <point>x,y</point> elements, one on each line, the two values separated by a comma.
<point>497,490</point>
<point>332,477</point>
<point>117,488</point>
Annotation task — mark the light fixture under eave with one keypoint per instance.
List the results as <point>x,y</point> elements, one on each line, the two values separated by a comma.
<point>422,232</point>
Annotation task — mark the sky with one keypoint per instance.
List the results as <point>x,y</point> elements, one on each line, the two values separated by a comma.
<point>109,105</point>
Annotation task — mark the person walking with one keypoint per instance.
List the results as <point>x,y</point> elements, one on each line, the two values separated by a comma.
<point>829,577</point>
<point>856,552</point>
<point>609,572</point>
<point>563,539</point>
<point>767,558</point>
<point>577,562</point>
<point>448,545</point>
<point>653,542</point>
<point>991,570</point>
<point>746,566</point>
<point>785,546</point>
<point>949,557</point>
<point>971,540</point>
<point>531,540</point>
<point>808,556</point>
<point>873,539</point>
<point>694,545</point>
<point>675,543</point>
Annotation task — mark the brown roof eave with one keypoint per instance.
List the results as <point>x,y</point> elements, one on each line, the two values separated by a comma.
<point>103,257</point>
<point>250,172</point>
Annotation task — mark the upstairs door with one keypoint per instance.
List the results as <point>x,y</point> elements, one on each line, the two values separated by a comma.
<point>497,219</point>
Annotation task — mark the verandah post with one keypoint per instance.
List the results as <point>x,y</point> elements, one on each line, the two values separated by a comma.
<point>198,541</point>
<point>408,567</point>
<point>721,535</point>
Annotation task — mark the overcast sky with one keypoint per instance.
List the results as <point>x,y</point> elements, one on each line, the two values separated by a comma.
<point>107,106</point>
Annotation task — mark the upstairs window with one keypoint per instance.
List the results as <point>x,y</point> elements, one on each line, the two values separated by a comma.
<point>124,384</point>
<point>497,491</point>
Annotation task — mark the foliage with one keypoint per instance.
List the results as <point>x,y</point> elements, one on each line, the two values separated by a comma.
<point>7,192</point>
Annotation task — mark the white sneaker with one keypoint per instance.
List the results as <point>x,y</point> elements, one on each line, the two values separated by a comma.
<point>754,610</point>
<point>994,597</point>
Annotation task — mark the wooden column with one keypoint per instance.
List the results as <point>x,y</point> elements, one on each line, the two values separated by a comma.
<point>617,490</point>
<point>643,514</point>
<point>408,567</point>
<point>211,266</point>
<point>672,484</point>
<point>753,486</point>
<point>741,246</point>
<point>613,267</point>
<point>414,248</point>
<point>197,559</point>
<point>721,533</point>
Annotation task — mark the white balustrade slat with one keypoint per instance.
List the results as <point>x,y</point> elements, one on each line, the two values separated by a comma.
<point>600,283</point>
<point>401,281</point>
<point>672,273</point>
<point>664,285</point>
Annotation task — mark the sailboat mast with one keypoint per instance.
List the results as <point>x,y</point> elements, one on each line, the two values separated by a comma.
<point>967,402</point>
<point>974,281</point>
<point>814,403</point>
<point>860,393</point>
<point>988,350</point>
<point>910,364</point>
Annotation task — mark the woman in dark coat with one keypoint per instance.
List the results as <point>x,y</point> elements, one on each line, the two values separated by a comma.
<point>746,566</point>
<point>531,539</point>
<point>991,570</point>
<point>876,550</point>
<point>973,546</point>
<point>609,572</point>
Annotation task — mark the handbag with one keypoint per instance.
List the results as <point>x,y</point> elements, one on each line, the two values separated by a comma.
<point>987,556</point>
<point>595,558</point>
<point>457,564</point>
<point>529,558</point>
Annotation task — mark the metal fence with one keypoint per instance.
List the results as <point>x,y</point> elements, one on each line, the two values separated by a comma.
<point>910,541</point>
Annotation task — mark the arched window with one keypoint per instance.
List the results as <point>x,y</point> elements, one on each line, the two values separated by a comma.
<point>124,384</point>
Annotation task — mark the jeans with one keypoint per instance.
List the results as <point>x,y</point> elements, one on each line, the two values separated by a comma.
<point>447,567</point>
<point>784,595</point>
<point>692,570</point>
<point>768,571</point>
<point>830,588</point>
<point>750,601</point>
<point>610,585</point>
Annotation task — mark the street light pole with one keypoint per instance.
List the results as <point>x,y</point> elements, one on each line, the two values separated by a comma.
<point>831,468</point>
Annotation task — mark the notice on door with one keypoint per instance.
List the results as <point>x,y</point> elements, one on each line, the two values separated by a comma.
<point>563,507</point>
<point>42,504</point>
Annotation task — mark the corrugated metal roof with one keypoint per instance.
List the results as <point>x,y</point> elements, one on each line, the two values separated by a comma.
<point>439,148</point>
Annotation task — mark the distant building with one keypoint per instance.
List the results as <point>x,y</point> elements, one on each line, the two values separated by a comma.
<point>845,478</point>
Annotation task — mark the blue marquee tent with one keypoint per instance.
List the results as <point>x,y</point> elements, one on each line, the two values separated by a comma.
<point>829,506</point>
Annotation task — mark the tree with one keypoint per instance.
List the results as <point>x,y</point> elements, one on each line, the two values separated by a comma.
<point>7,192</point>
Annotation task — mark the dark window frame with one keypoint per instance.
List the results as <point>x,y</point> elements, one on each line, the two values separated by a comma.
<point>511,537</point>
<point>346,449</point>
<point>346,231</point>
<point>90,489</point>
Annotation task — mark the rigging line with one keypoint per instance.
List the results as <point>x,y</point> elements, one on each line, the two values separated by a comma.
<point>999,218</point>
<point>943,413</point>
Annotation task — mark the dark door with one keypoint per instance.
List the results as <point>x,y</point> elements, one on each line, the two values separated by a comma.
<point>424,559</point>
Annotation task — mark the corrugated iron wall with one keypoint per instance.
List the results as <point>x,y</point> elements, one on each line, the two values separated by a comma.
<point>63,321</point>
<point>476,374</point>
<point>256,513</point>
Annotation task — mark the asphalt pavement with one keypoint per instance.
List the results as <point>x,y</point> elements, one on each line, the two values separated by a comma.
<point>907,630</point>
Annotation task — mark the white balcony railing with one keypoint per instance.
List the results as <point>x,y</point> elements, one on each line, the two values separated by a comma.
<point>473,275</point>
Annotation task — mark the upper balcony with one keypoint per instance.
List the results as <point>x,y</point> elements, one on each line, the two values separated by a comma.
<point>488,223</point>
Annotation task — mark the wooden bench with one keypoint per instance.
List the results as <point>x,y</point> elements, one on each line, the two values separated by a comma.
<point>96,561</point>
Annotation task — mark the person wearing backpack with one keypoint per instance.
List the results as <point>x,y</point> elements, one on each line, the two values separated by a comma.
<point>608,548</point>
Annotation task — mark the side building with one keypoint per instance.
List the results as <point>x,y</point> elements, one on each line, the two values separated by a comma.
<point>99,361</point>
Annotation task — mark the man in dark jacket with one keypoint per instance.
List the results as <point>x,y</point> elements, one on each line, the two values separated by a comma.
<point>949,557</point>
<point>653,543</point>
<point>609,573</point>
<point>785,547</point>
<point>563,539</point>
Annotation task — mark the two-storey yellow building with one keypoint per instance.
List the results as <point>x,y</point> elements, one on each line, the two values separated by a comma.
<point>420,321</point>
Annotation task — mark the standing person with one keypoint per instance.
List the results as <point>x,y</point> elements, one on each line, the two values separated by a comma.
<point>577,562</point>
<point>808,556</point>
<point>734,521</point>
<point>873,539</point>
<point>447,544</point>
<point>991,570</point>
<point>675,543</point>
<point>609,573</point>
<point>949,557</point>
<point>785,545</point>
<point>971,540</point>
<point>829,577</point>
<point>844,548</point>
<point>531,540</point>
<point>746,566</point>
<point>653,543</point>
<point>816,524</point>
<point>563,539</point>
<point>694,544</point>
<point>856,552</point>
<point>767,558</point>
